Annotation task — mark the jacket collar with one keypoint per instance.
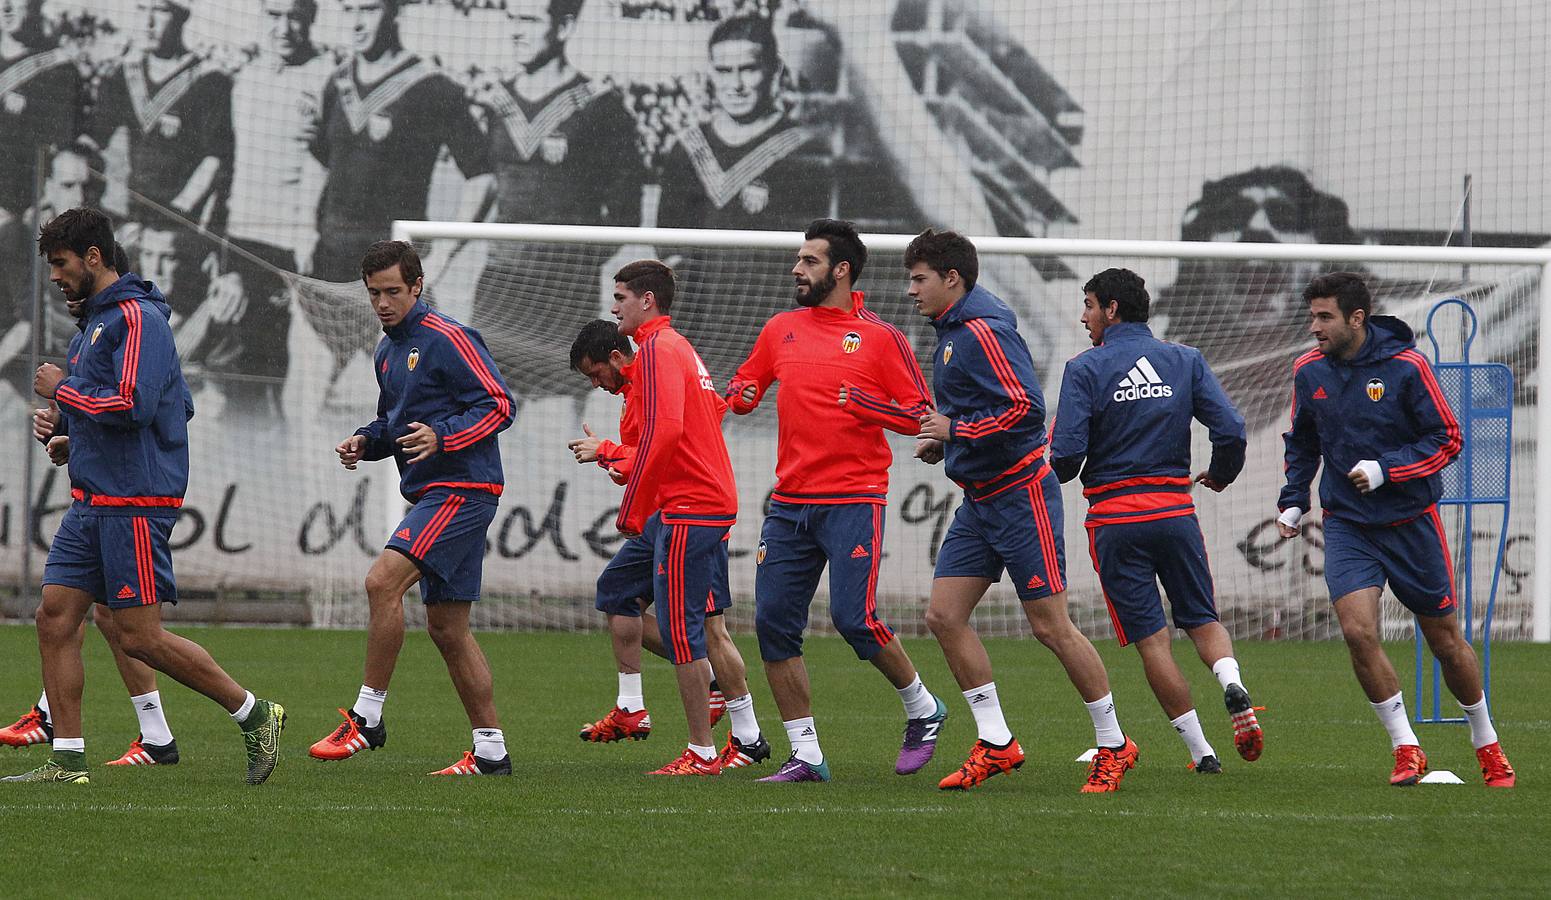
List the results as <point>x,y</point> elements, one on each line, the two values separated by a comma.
<point>651,327</point>
<point>854,311</point>
<point>411,319</point>
<point>1121,331</point>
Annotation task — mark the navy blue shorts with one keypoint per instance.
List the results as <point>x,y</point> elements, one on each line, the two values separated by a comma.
<point>1413,557</point>
<point>1132,557</point>
<point>796,542</point>
<point>1018,530</point>
<point>690,561</point>
<point>122,561</point>
<point>625,587</point>
<point>444,534</point>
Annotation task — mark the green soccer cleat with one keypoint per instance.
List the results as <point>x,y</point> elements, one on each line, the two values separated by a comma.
<point>69,770</point>
<point>261,737</point>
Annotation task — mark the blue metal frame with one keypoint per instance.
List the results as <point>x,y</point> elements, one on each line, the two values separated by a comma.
<point>1478,393</point>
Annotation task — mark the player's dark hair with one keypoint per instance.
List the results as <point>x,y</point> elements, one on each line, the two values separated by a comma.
<point>1124,288</point>
<point>386,255</point>
<point>945,251</point>
<point>845,245</point>
<point>1349,289</point>
<point>120,258</point>
<point>78,230</point>
<point>596,341</point>
<point>756,29</point>
<point>648,275</point>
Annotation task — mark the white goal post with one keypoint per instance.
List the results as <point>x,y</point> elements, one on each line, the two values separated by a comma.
<point>1058,248</point>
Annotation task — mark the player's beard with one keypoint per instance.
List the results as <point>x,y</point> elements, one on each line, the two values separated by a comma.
<point>817,290</point>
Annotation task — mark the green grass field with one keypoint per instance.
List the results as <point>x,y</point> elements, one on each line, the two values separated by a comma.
<point>1314,816</point>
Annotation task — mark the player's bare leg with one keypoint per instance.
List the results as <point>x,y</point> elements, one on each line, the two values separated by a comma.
<point>1462,672</point>
<point>60,619</point>
<point>154,745</point>
<point>626,635</point>
<point>727,667</point>
<point>389,579</point>
<point>1053,627</point>
<point>138,677</point>
<point>947,615</point>
<point>143,638</point>
<point>1215,648</point>
<point>789,685</point>
<point>1358,613</point>
<point>1173,692</point>
<point>694,680</point>
<point>448,624</point>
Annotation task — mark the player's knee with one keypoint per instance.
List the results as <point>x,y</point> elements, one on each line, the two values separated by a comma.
<point>445,635</point>
<point>1362,640</point>
<point>942,622</point>
<point>54,625</point>
<point>380,587</point>
<point>138,644</point>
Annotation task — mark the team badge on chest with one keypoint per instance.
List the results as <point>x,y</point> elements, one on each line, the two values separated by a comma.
<point>947,353</point>
<point>169,126</point>
<point>1375,390</point>
<point>852,342</point>
<point>755,196</point>
<point>554,148</point>
<point>414,358</point>
<point>97,332</point>
<point>378,127</point>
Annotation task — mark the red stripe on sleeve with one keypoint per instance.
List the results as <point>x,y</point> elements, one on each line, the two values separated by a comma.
<point>1008,381</point>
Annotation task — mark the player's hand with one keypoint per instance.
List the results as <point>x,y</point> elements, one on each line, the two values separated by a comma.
<point>586,449</point>
<point>1206,480</point>
<point>45,421</point>
<point>845,394</point>
<point>58,448</point>
<point>936,427</point>
<point>1366,476</point>
<point>421,442</point>
<point>1287,522</point>
<point>617,476</point>
<point>749,393</point>
<point>351,449</point>
<point>929,451</point>
<point>228,301</point>
<point>47,380</point>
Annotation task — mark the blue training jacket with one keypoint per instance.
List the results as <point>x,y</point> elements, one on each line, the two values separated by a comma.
<point>1383,404</point>
<point>1125,408</point>
<point>125,405</point>
<point>433,370</point>
<point>983,379</point>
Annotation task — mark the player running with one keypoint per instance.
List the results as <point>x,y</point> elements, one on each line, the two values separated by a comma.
<point>989,428</point>
<point>832,481</point>
<point>1124,423</point>
<point>441,405</point>
<point>1366,402</point>
<point>683,475</point>
<point>125,408</point>
<point>625,588</point>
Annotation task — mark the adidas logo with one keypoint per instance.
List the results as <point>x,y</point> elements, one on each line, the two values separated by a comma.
<point>789,339</point>
<point>125,592</point>
<point>1319,393</point>
<point>402,534</point>
<point>978,698</point>
<point>661,570</point>
<point>1034,582</point>
<point>1142,382</point>
<point>859,553</point>
<point>148,706</point>
<point>806,732</point>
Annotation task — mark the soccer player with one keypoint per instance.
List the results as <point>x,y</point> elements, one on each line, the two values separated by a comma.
<point>441,405</point>
<point>125,408</point>
<point>1366,402</point>
<point>625,588</point>
<point>832,479</point>
<point>989,429</point>
<point>177,110</point>
<point>39,99</point>
<point>564,151</point>
<point>682,474</point>
<point>1124,423</point>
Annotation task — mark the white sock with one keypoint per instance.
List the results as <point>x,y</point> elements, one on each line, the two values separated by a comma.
<point>1227,672</point>
<point>629,698</point>
<point>489,744</point>
<point>1480,719</point>
<point>153,724</point>
<point>987,710</point>
<point>705,753</point>
<point>368,705</point>
<point>43,705</point>
<point>76,744</point>
<point>804,738</point>
<point>241,715</point>
<point>1106,725</point>
<point>1189,728</point>
<point>745,726</point>
<point>919,702</point>
<point>1392,713</point>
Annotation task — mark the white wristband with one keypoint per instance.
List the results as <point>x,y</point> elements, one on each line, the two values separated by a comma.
<point>1374,471</point>
<point>1290,517</point>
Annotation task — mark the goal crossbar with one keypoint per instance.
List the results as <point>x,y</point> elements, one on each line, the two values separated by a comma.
<point>996,244</point>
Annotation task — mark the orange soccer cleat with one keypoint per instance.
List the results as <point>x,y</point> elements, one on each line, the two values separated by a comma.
<point>618,725</point>
<point>470,764</point>
<point>984,761</point>
<point>1247,737</point>
<point>1494,766</point>
<point>1410,765</point>
<point>690,764</point>
<point>32,728</point>
<point>142,754</point>
<point>716,704</point>
<point>1110,765</point>
<point>350,738</point>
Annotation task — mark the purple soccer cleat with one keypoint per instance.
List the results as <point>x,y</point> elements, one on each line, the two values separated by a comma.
<point>920,740</point>
<point>795,769</point>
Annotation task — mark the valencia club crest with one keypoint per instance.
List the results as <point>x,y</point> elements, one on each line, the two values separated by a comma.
<point>414,358</point>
